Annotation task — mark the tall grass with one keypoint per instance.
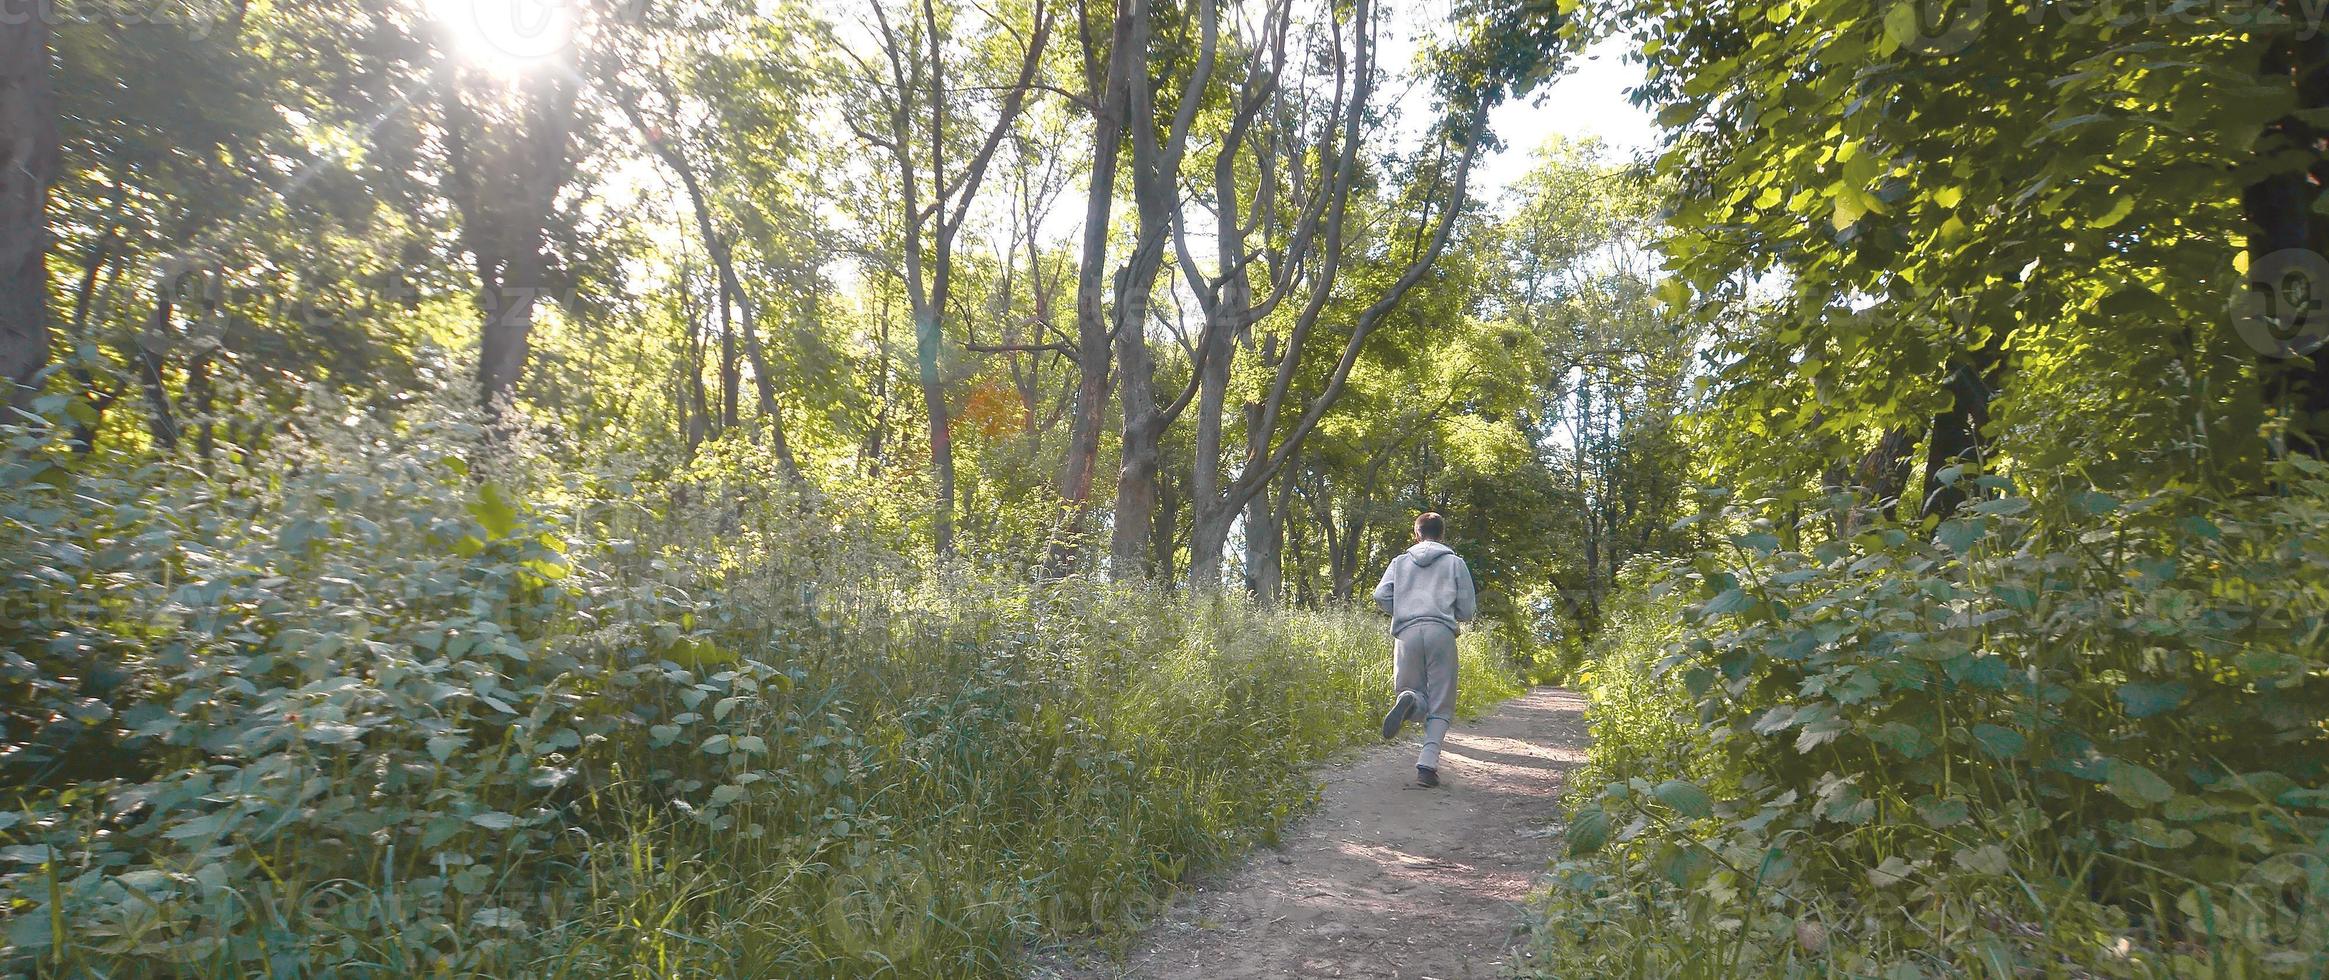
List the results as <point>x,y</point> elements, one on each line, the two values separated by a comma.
<point>380,701</point>
<point>1049,781</point>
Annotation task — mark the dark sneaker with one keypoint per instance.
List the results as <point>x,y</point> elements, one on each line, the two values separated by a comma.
<point>1426,777</point>
<point>1401,707</point>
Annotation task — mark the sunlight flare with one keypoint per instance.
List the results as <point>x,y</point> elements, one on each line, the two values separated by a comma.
<point>507,37</point>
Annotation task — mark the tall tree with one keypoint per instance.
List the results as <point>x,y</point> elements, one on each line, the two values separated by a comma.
<point>1156,164</point>
<point>922,110</point>
<point>1246,229</point>
<point>28,163</point>
<point>509,151</point>
<point>2288,236</point>
<point>1110,65</point>
<point>667,146</point>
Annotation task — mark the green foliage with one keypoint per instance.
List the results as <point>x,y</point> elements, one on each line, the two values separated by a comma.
<point>2088,732</point>
<point>374,699</point>
<point>2052,194</point>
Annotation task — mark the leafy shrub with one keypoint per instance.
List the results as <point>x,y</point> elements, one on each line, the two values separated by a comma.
<point>381,699</point>
<point>2085,734</point>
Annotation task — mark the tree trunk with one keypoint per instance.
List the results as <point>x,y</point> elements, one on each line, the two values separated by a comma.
<point>1111,95</point>
<point>1155,190</point>
<point>1213,515</point>
<point>2288,240</point>
<point>695,412</point>
<point>764,385</point>
<point>1300,593</point>
<point>731,366</point>
<point>1164,540</point>
<point>1213,386</point>
<point>928,336</point>
<point>1264,531</point>
<point>28,165</point>
<point>1337,544</point>
<point>198,404</point>
<point>1957,436</point>
<point>160,420</point>
<point>1144,422</point>
<point>102,255</point>
<point>1208,539</point>
<point>1142,429</point>
<point>1883,473</point>
<point>503,177</point>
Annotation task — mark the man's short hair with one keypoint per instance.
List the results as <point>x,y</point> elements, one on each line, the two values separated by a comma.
<point>1431,526</point>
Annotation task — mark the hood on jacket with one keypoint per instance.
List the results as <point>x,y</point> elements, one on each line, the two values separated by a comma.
<point>1426,552</point>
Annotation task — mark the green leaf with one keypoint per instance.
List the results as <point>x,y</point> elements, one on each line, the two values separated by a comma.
<point>2144,699</point>
<point>1730,601</point>
<point>1988,859</point>
<point>2000,742</point>
<point>2121,206</point>
<point>1685,797</point>
<point>1847,211</point>
<point>2137,785</point>
<point>1674,292</point>
<point>2017,597</point>
<point>497,918</point>
<point>1684,863</point>
<point>1588,830</point>
<point>1892,871</point>
<point>2004,506</point>
<point>332,733</point>
<point>494,511</point>
<point>494,820</point>
<point>1903,739</point>
<point>2095,503</point>
<point>1959,534</point>
<point>441,747</point>
<point>1939,813</point>
<point>1775,720</point>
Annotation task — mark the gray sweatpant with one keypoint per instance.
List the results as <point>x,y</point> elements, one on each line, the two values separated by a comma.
<point>1425,662</point>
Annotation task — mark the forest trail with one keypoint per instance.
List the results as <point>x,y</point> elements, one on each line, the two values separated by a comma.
<point>1385,879</point>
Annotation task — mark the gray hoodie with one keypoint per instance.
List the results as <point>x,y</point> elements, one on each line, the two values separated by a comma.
<point>1428,583</point>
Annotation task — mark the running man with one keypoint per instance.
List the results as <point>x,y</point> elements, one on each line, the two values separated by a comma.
<point>1427,590</point>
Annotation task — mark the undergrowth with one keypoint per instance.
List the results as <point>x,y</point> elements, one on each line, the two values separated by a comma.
<point>390,699</point>
<point>2074,737</point>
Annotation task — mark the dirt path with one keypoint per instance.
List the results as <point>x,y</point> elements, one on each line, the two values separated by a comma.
<point>1385,879</point>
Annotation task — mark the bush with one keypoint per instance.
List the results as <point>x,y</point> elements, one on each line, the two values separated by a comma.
<point>2085,734</point>
<point>383,699</point>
